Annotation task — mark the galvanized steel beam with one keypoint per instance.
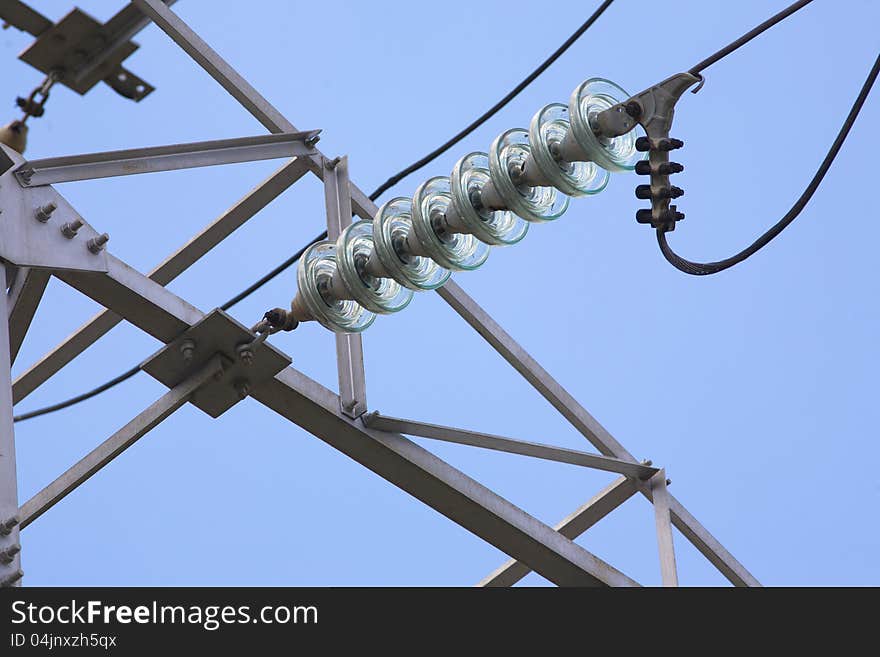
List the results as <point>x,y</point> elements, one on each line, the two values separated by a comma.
<point>164,273</point>
<point>23,298</point>
<point>70,168</point>
<point>603,503</point>
<point>501,444</point>
<point>120,441</point>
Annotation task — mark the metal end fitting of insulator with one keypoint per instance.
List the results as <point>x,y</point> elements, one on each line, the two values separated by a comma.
<point>281,320</point>
<point>653,109</point>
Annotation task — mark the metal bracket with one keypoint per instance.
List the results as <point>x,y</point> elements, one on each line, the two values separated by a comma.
<point>349,346</point>
<point>72,43</point>
<point>108,164</point>
<point>31,221</point>
<point>128,85</point>
<point>663,520</point>
<point>380,422</point>
<point>653,109</point>
<point>217,333</point>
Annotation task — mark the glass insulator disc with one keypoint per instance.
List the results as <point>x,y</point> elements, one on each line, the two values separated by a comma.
<point>497,227</point>
<point>547,131</point>
<point>313,275</point>
<point>391,226</point>
<point>508,153</point>
<point>455,251</point>
<point>595,95</point>
<point>379,295</point>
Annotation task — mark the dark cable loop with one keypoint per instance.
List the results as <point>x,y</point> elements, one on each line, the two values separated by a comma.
<point>706,268</point>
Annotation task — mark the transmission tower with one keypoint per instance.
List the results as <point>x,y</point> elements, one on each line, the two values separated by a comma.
<point>212,361</point>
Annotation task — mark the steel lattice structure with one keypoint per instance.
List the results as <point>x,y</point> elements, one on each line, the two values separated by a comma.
<point>215,376</point>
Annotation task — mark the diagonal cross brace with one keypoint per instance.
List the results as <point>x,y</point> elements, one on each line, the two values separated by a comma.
<point>120,441</point>
<point>264,112</point>
<point>164,273</point>
<point>603,503</point>
<point>499,443</point>
<point>400,461</point>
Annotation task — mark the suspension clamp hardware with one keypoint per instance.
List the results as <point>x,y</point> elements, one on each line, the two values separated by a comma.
<point>653,109</point>
<point>32,106</point>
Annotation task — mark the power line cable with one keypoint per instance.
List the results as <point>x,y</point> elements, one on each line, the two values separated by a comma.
<point>393,180</point>
<point>748,36</point>
<point>94,392</point>
<point>418,164</point>
<point>437,152</point>
<point>684,265</point>
<point>706,268</point>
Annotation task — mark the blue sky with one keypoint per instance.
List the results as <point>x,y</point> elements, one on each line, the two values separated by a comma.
<point>755,388</point>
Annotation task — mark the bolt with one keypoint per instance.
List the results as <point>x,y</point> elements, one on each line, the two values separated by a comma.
<point>672,214</point>
<point>633,109</point>
<point>311,141</point>
<point>643,168</point>
<point>669,482</point>
<point>7,555</point>
<point>187,347</point>
<point>331,164</point>
<point>70,229</point>
<point>96,244</point>
<point>10,580</point>
<point>645,216</point>
<point>245,353</point>
<point>669,144</point>
<point>646,192</point>
<point>647,462</point>
<point>643,191</point>
<point>44,212</point>
<point>243,388</point>
<point>8,525</point>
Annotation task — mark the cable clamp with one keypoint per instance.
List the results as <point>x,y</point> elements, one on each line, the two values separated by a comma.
<point>653,109</point>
